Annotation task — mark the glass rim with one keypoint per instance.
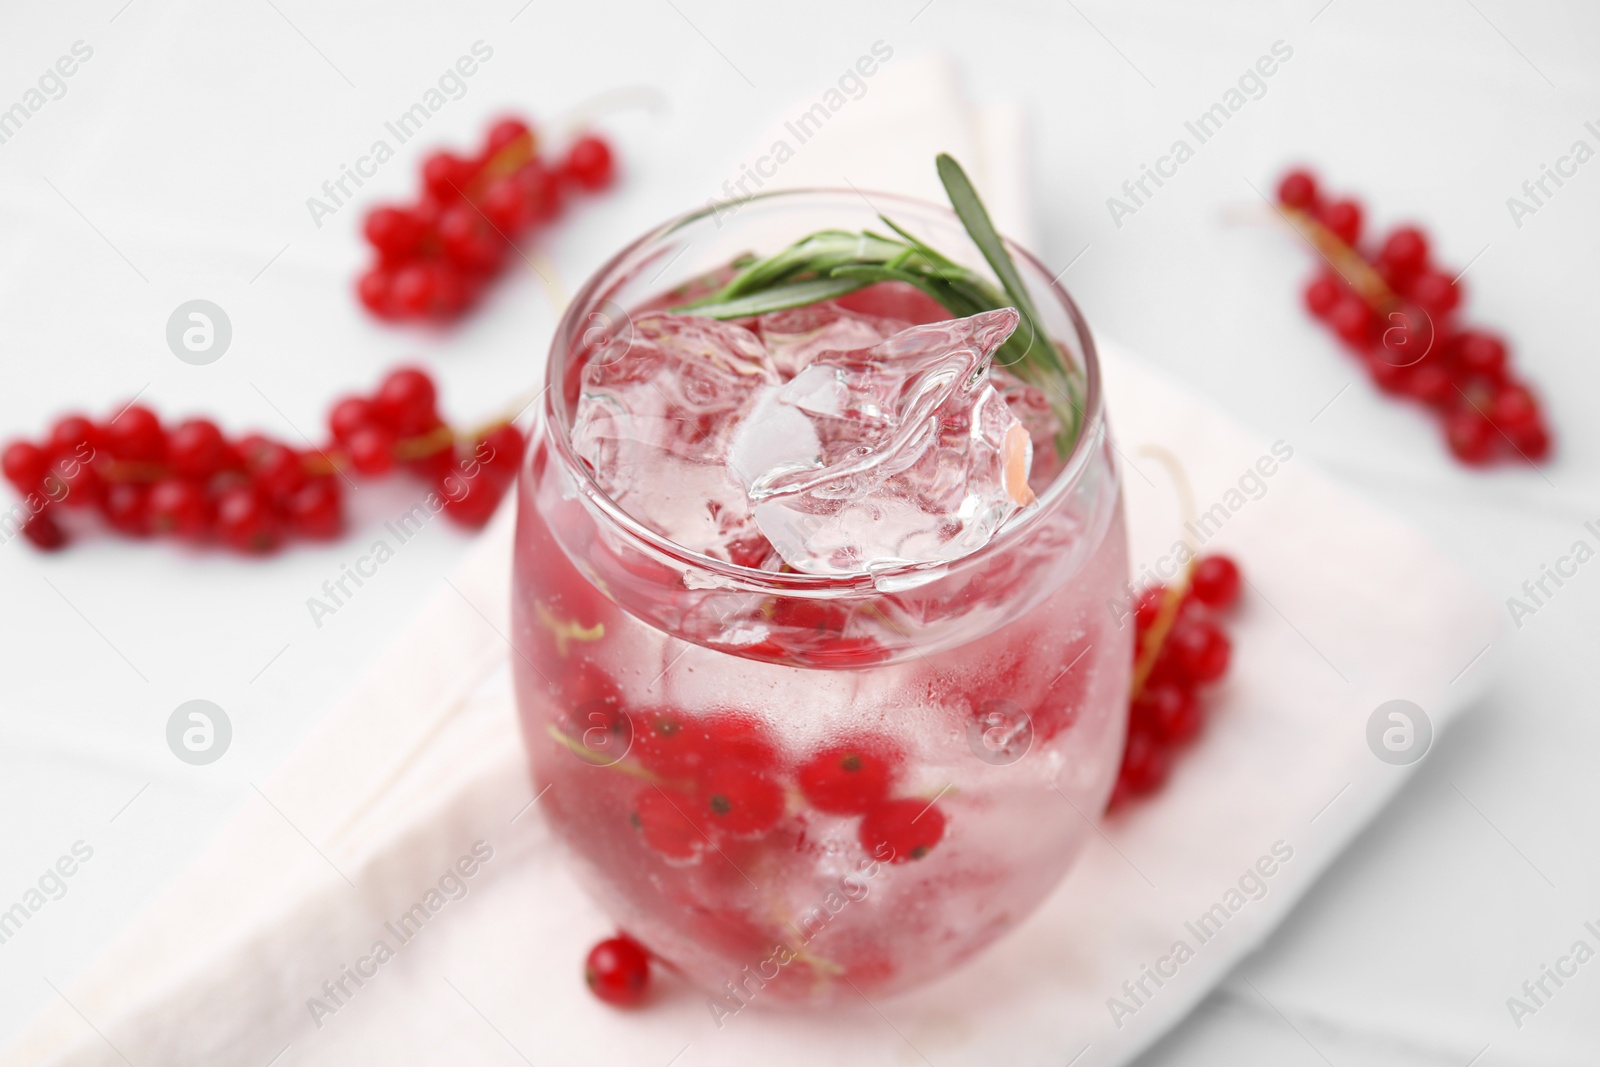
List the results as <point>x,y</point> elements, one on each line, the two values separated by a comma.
<point>557,428</point>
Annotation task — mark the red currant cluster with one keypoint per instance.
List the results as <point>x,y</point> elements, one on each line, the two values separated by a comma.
<point>1179,647</point>
<point>435,257</point>
<point>1397,310</point>
<point>251,493</point>
<point>722,778</point>
<point>721,782</point>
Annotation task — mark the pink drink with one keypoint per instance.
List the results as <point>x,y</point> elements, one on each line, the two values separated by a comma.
<point>790,784</point>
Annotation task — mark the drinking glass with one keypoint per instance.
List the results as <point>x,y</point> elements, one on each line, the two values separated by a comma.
<point>792,787</point>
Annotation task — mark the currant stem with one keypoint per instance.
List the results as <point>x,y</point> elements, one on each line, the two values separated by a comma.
<point>508,160</point>
<point>1349,263</point>
<point>1150,645</point>
<point>583,752</point>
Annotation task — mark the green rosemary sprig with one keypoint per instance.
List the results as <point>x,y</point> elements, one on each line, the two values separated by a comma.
<point>832,263</point>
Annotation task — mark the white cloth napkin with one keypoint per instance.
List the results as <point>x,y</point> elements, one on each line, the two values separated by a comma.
<point>407,817</point>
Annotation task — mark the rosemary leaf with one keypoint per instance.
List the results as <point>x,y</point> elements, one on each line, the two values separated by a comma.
<point>776,298</point>
<point>975,217</point>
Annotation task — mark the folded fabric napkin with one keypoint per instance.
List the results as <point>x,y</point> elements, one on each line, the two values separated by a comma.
<point>392,896</point>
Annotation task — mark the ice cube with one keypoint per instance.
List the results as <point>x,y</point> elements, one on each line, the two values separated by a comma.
<point>655,421</point>
<point>916,456</point>
<point>797,336</point>
<point>773,434</point>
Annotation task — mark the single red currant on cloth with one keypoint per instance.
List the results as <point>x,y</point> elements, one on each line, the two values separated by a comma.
<point>1179,647</point>
<point>434,258</point>
<point>1398,311</point>
<point>252,494</point>
<point>618,971</point>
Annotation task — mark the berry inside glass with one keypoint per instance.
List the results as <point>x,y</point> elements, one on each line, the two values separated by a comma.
<point>815,662</point>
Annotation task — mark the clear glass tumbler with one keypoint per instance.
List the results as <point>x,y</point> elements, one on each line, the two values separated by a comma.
<point>786,785</point>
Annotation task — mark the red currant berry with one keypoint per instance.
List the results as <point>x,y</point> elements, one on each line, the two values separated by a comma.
<point>405,401</point>
<point>504,205</point>
<point>1148,607</point>
<point>1215,582</point>
<point>501,450</point>
<point>1405,250</point>
<point>618,972</point>
<point>506,132</point>
<point>436,287</point>
<point>670,746</point>
<point>428,208</point>
<point>376,290</point>
<point>74,484</point>
<point>25,465</point>
<point>1389,377</point>
<point>349,415</point>
<point>179,508</point>
<point>395,232</point>
<point>740,800</point>
<point>1298,189</point>
<point>45,533</point>
<point>902,830</point>
<point>276,468</point>
<point>417,288</point>
<point>372,450</point>
<point>1323,295</point>
<point>541,192</point>
<point>456,289</point>
<point>245,522</point>
<point>1199,649</point>
<point>849,778</point>
<point>126,507</point>
<point>1407,337</point>
<point>1435,292</point>
<point>589,163</point>
<point>1170,711</point>
<point>1532,440</point>
<point>135,434</point>
<point>740,739</point>
<point>813,615</point>
<point>1146,763</point>
<point>471,496</point>
<point>1430,383</point>
<point>74,436</point>
<point>666,829</point>
<point>1343,217</point>
<point>197,449</point>
<point>1481,354</point>
<point>446,176</point>
<point>1470,436</point>
<point>314,511</point>
<point>1352,320</point>
<point>1513,408</point>
<point>468,241</point>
